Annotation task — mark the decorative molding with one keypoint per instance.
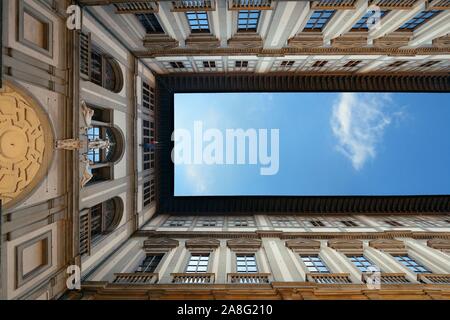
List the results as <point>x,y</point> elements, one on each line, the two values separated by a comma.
<point>306,40</point>
<point>244,40</point>
<point>384,48</point>
<point>303,244</point>
<point>333,5</point>
<point>345,244</point>
<point>202,41</point>
<point>244,243</point>
<point>159,42</point>
<point>200,243</point>
<point>160,243</point>
<point>395,40</point>
<point>438,243</point>
<point>387,244</point>
<point>442,42</point>
<point>26,144</point>
<point>349,41</point>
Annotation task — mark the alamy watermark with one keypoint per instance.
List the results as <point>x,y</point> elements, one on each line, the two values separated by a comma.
<point>234,146</point>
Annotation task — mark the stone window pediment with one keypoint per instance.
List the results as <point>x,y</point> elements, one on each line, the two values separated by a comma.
<point>202,243</point>
<point>303,244</point>
<point>345,244</point>
<point>160,243</point>
<point>244,243</point>
<point>440,244</point>
<point>387,244</point>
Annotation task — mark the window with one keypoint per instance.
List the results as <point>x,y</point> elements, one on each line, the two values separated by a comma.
<point>352,64</point>
<point>148,96</point>
<point>411,264</point>
<point>149,22</point>
<point>102,155</point>
<point>105,71</point>
<point>349,223</point>
<point>150,263</point>
<point>284,221</point>
<point>241,64</point>
<point>397,64</point>
<point>149,192</point>
<point>98,221</point>
<point>314,264</point>
<point>177,65</point>
<point>210,222</point>
<point>419,19</point>
<point>319,64</point>
<point>394,223</point>
<point>286,63</point>
<point>248,20</point>
<point>362,23</point>
<point>317,223</point>
<point>429,64</point>
<point>148,135</point>
<point>209,64</point>
<point>177,221</point>
<point>241,221</point>
<point>198,263</point>
<point>198,21</point>
<point>362,263</point>
<point>246,264</point>
<point>319,20</point>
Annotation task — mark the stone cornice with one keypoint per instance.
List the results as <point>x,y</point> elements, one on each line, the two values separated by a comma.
<point>294,51</point>
<point>295,235</point>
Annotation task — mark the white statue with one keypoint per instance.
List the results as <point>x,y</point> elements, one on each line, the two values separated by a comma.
<point>68,144</point>
<point>99,144</point>
<point>86,173</point>
<point>88,113</point>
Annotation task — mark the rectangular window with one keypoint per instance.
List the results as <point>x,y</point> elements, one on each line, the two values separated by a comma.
<point>210,222</point>
<point>149,192</point>
<point>397,63</point>
<point>177,64</point>
<point>419,19</point>
<point>248,20</point>
<point>362,263</point>
<point>198,263</point>
<point>148,135</point>
<point>284,221</point>
<point>209,64</point>
<point>241,221</point>
<point>314,263</point>
<point>150,263</point>
<point>177,221</point>
<point>317,223</point>
<point>394,223</point>
<point>286,63</point>
<point>93,133</point>
<point>362,23</point>
<point>198,21</point>
<point>411,264</point>
<point>429,64</point>
<point>150,22</point>
<point>349,223</point>
<point>241,64</point>
<point>352,64</point>
<point>96,68</point>
<point>246,263</point>
<point>319,64</point>
<point>148,96</point>
<point>319,20</point>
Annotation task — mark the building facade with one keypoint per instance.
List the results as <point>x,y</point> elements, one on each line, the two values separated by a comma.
<point>78,187</point>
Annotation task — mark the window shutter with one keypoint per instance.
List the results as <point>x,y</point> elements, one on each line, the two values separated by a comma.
<point>85,232</point>
<point>85,55</point>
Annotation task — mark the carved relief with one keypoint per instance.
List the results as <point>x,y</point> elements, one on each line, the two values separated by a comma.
<point>25,144</point>
<point>440,244</point>
<point>393,40</point>
<point>442,42</point>
<point>387,244</point>
<point>345,244</point>
<point>349,41</point>
<point>197,243</point>
<point>303,244</point>
<point>68,144</point>
<point>158,243</point>
<point>244,243</point>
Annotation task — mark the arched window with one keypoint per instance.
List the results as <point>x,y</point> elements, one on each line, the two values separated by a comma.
<point>98,221</point>
<point>105,71</point>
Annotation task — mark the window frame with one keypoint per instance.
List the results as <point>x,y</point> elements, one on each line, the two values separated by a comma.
<point>249,27</point>
<point>313,262</point>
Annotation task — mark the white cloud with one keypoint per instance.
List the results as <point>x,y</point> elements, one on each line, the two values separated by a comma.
<point>195,176</point>
<point>358,121</point>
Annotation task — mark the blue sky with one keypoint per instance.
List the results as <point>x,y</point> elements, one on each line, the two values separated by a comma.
<point>329,143</point>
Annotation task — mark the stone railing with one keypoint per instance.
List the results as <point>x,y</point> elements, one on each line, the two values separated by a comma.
<point>249,278</point>
<point>136,278</point>
<point>434,278</point>
<point>328,278</point>
<point>386,278</point>
<point>192,278</point>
